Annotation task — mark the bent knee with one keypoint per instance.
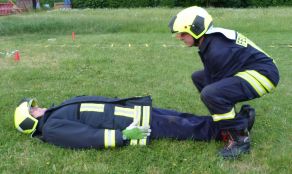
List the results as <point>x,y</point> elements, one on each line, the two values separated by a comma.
<point>196,76</point>
<point>209,93</point>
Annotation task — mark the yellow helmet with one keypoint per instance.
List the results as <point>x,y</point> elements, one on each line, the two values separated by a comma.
<point>192,20</point>
<point>23,121</point>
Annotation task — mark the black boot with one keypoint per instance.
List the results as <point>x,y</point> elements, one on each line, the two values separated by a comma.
<point>238,143</point>
<point>249,112</point>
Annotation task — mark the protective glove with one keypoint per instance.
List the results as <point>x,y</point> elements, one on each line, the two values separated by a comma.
<point>133,131</point>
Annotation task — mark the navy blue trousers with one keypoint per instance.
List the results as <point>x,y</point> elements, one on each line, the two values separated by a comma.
<point>221,96</point>
<point>176,125</point>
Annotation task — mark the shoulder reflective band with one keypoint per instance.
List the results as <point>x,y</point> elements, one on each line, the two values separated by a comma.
<point>109,138</point>
<point>241,40</point>
<point>260,83</point>
<point>251,43</point>
<point>91,107</point>
<point>226,116</point>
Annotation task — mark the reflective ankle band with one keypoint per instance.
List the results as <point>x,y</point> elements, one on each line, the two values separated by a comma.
<point>226,116</point>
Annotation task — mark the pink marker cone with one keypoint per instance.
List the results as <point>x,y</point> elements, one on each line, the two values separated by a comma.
<point>16,56</point>
<point>73,36</point>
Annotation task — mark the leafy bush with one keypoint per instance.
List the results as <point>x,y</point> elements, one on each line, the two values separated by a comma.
<point>171,3</point>
<point>4,1</point>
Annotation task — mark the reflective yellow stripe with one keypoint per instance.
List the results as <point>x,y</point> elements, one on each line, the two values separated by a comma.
<point>253,82</point>
<point>134,142</point>
<point>126,112</point>
<point>143,142</point>
<point>137,116</point>
<point>257,47</point>
<point>262,79</point>
<point>106,138</point>
<point>93,107</point>
<point>113,138</point>
<point>244,41</point>
<point>146,116</point>
<point>226,116</point>
<point>145,122</point>
<point>241,40</point>
<point>109,138</point>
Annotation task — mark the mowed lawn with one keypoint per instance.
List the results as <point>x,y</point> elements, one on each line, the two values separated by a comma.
<point>130,52</point>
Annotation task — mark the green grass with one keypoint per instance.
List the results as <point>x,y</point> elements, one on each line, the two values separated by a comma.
<point>100,62</point>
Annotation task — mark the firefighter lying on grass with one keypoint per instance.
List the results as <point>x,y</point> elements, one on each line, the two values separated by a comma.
<point>99,122</point>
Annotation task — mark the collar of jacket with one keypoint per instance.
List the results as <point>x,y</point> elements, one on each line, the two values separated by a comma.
<point>38,131</point>
<point>203,46</point>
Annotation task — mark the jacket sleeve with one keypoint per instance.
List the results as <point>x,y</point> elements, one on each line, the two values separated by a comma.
<point>72,134</point>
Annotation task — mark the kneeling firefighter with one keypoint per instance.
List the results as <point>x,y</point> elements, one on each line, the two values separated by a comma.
<point>235,70</point>
<point>100,122</point>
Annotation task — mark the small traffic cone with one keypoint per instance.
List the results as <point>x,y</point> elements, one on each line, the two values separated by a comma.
<point>16,56</point>
<point>73,36</point>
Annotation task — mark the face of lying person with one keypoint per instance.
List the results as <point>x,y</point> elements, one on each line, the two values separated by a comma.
<point>37,111</point>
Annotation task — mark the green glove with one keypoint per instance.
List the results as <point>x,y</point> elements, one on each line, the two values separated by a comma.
<point>136,132</point>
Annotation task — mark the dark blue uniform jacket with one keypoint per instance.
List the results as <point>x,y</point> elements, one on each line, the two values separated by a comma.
<point>223,57</point>
<point>65,125</point>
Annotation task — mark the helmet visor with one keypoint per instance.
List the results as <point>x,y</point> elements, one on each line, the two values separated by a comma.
<point>171,23</point>
<point>31,103</point>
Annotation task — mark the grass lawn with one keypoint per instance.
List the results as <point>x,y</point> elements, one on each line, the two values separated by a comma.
<point>130,52</point>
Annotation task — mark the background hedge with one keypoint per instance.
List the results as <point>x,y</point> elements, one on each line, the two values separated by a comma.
<point>169,3</point>
<point>177,3</point>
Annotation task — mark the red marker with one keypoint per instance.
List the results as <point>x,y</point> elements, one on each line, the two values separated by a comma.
<point>16,56</point>
<point>73,36</point>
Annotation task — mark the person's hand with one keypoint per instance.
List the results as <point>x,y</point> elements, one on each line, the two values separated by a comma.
<point>133,131</point>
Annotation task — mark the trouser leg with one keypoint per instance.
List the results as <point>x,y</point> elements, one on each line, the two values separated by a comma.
<point>171,124</point>
<point>220,98</point>
<point>198,79</point>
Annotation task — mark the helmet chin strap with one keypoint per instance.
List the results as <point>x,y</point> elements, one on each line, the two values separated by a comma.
<point>197,42</point>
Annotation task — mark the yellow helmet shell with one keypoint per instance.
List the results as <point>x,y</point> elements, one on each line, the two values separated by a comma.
<point>23,121</point>
<point>192,20</point>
